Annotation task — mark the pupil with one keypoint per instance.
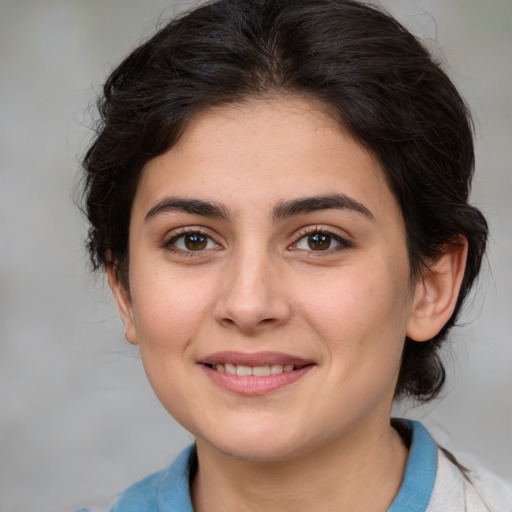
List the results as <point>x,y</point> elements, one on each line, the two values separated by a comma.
<point>195,241</point>
<point>319,241</point>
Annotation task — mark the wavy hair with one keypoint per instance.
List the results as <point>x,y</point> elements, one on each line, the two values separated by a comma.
<point>374,77</point>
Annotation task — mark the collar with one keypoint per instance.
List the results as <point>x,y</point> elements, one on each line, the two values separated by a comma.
<point>420,471</point>
<point>168,490</point>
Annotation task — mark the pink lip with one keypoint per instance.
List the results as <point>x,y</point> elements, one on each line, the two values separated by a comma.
<point>250,385</point>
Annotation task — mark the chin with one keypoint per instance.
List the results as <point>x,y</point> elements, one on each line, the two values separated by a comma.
<point>257,444</point>
<point>256,451</point>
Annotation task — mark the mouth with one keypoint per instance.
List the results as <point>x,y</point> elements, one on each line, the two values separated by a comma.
<point>256,371</point>
<point>254,374</point>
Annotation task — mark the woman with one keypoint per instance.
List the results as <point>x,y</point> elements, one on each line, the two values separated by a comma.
<point>279,195</point>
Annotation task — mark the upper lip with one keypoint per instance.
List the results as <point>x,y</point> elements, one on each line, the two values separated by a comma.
<point>253,359</point>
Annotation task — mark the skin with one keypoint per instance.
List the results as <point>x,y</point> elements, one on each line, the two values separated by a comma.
<point>258,281</point>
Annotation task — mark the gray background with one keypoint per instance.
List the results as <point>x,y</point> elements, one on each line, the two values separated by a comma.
<point>78,422</point>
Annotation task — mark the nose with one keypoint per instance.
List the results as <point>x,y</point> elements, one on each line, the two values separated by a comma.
<point>252,295</point>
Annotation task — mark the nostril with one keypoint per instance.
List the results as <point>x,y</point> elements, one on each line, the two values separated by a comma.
<point>251,312</point>
<point>247,324</point>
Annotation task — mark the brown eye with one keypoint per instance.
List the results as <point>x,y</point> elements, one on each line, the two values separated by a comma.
<point>322,241</point>
<point>191,241</point>
<point>195,241</point>
<point>319,241</point>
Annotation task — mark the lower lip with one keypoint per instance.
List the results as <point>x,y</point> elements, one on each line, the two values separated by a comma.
<point>250,385</point>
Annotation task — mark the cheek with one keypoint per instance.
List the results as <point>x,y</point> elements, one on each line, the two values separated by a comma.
<point>169,312</point>
<point>168,309</point>
<point>359,310</point>
<point>362,326</point>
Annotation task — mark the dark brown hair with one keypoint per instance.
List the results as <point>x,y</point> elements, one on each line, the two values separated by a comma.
<point>372,75</point>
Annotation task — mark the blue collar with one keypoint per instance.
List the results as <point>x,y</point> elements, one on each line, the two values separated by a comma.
<point>420,471</point>
<point>168,490</point>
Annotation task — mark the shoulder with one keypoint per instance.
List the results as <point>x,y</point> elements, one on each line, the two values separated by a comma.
<point>434,480</point>
<point>163,491</point>
<point>141,496</point>
<point>457,488</point>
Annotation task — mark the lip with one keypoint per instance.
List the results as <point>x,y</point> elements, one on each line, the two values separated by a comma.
<point>250,385</point>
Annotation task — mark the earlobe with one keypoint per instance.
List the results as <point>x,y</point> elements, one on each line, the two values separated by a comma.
<point>436,292</point>
<point>124,304</point>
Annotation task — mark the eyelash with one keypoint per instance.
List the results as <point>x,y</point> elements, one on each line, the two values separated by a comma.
<point>343,244</point>
<point>170,243</point>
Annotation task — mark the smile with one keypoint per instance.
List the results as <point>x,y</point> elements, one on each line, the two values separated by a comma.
<point>254,374</point>
<point>256,371</point>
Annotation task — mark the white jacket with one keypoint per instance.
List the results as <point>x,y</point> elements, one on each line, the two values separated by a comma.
<point>478,491</point>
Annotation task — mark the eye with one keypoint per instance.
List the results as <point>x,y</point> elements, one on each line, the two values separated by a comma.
<point>192,241</point>
<point>321,241</point>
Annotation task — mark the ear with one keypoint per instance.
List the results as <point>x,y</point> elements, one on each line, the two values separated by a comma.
<point>124,304</point>
<point>436,292</point>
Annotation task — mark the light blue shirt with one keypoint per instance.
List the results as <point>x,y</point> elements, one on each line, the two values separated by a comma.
<point>168,490</point>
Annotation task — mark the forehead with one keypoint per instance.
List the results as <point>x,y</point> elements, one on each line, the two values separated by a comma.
<point>263,152</point>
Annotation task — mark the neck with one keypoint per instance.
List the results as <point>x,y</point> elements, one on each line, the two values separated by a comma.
<point>362,471</point>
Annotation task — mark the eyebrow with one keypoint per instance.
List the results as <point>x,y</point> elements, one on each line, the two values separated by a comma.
<point>315,203</point>
<point>192,206</point>
<point>281,211</point>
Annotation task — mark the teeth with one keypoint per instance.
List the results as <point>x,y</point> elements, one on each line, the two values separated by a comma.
<point>276,368</point>
<point>230,368</point>
<point>243,370</point>
<point>257,371</point>
<point>261,371</point>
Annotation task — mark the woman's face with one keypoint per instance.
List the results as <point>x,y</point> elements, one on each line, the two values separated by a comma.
<point>270,291</point>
